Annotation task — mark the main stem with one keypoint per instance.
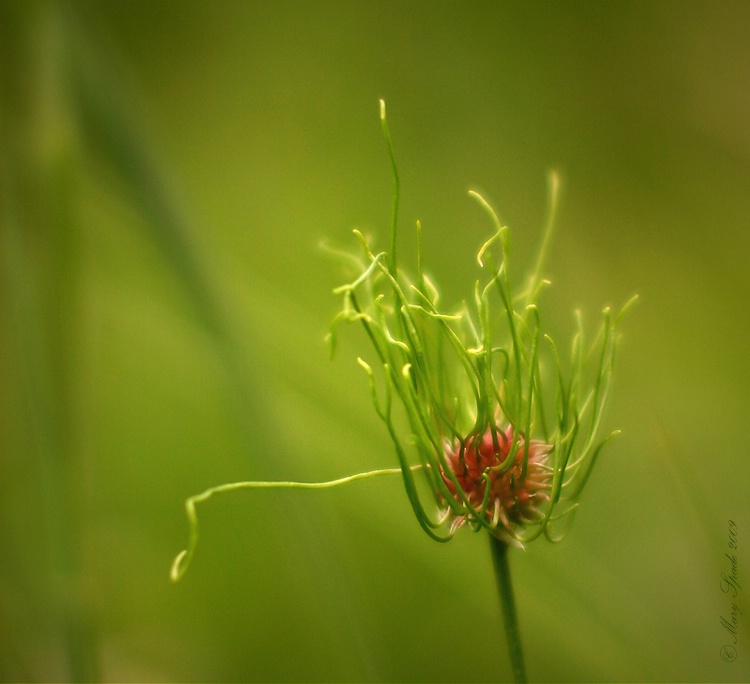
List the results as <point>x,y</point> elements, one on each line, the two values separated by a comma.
<point>508,604</point>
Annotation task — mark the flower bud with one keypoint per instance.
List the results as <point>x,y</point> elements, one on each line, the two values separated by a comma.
<point>517,477</point>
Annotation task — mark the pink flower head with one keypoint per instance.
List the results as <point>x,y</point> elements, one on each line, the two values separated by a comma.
<point>516,490</point>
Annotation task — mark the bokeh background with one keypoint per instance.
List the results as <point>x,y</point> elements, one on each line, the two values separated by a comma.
<point>168,173</point>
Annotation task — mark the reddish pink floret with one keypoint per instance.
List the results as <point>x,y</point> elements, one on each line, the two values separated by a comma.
<point>515,495</point>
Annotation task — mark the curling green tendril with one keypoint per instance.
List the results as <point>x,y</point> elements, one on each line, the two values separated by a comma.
<point>183,559</point>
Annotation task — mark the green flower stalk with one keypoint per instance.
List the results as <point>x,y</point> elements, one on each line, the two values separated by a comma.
<point>493,428</point>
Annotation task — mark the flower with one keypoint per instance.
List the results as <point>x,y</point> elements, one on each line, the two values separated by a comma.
<point>500,477</point>
<point>440,375</point>
<point>440,378</point>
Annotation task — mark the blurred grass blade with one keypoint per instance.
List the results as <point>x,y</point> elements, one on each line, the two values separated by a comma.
<point>108,120</point>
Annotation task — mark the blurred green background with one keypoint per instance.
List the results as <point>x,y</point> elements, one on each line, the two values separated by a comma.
<point>168,172</point>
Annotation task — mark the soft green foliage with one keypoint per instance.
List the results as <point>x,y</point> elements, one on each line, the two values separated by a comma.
<point>463,372</point>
